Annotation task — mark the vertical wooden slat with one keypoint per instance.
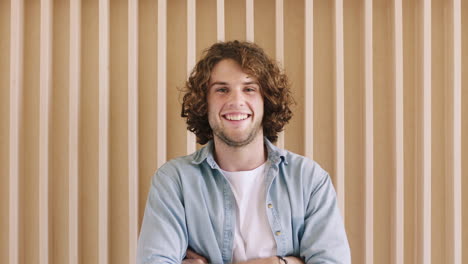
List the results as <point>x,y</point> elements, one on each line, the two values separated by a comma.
<point>453,230</point>
<point>249,23</point>
<point>16,90</point>
<point>339,99</point>
<point>104,109</point>
<point>44,122</point>
<point>398,234</point>
<point>220,32</point>
<point>309,79</point>
<point>369,133</point>
<point>74,102</point>
<point>454,224</point>
<point>464,129</point>
<point>133,128</point>
<point>425,198</point>
<point>162,64</point>
<point>279,40</point>
<point>191,57</point>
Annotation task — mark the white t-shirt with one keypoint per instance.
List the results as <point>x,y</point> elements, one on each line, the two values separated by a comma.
<point>253,237</point>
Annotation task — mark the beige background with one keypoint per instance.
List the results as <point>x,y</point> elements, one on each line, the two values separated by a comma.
<point>74,173</point>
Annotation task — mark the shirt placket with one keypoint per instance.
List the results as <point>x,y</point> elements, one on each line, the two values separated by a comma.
<point>272,213</point>
<point>229,214</point>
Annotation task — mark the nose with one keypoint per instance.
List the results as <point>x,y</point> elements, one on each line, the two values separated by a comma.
<point>236,98</point>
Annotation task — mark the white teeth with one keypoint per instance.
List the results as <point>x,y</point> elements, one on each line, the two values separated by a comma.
<point>237,117</point>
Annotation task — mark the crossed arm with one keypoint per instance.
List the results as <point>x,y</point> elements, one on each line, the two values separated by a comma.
<point>164,231</point>
<point>194,258</point>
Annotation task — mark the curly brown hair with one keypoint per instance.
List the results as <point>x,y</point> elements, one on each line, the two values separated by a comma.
<point>274,87</point>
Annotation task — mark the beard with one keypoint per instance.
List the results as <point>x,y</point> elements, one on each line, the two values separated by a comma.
<point>236,142</point>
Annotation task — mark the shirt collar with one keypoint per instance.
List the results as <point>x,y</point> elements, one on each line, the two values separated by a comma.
<point>275,154</point>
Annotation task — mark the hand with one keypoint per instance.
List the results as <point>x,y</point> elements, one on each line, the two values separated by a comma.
<point>193,258</point>
<point>273,260</point>
<point>294,260</point>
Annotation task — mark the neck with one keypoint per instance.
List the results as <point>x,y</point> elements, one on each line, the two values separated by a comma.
<point>243,158</point>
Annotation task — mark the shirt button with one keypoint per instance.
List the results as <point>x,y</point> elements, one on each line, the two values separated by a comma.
<point>270,206</point>
<point>278,233</point>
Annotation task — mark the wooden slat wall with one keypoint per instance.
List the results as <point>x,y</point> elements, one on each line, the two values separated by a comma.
<point>454,181</point>
<point>339,132</point>
<point>13,162</point>
<point>220,32</point>
<point>398,199</point>
<point>191,59</point>
<point>381,106</point>
<point>133,128</point>
<point>309,79</point>
<point>279,43</point>
<point>162,94</point>
<point>249,20</point>
<point>73,136</point>
<point>369,134</point>
<point>425,201</point>
<point>44,124</point>
<point>104,131</point>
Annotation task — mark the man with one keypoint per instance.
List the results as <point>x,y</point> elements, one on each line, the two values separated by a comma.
<point>240,198</point>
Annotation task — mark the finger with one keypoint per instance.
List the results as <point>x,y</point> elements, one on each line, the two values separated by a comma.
<point>192,255</point>
<point>193,261</point>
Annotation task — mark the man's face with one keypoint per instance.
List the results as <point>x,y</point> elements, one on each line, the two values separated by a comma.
<point>235,104</point>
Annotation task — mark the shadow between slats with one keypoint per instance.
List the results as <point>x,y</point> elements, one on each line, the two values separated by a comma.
<point>88,223</point>
<point>264,18</point>
<point>410,81</point>
<point>440,87</point>
<point>294,63</point>
<point>29,139</point>
<point>324,143</point>
<point>118,134</point>
<point>206,27</point>
<point>235,19</point>
<point>383,129</point>
<point>354,127</point>
<point>5,70</point>
<point>147,83</point>
<point>59,173</point>
<point>176,74</point>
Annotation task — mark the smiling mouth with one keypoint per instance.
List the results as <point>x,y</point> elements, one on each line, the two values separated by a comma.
<point>236,117</point>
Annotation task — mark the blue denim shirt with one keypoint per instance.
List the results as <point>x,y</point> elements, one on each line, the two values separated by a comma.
<point>191,204</point>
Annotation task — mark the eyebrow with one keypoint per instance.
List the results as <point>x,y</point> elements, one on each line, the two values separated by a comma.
<point>218,83</point>
<point>225,83</point>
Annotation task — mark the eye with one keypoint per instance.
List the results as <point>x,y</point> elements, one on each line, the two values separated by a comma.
<point>221,90</point>
<point>250,89</point>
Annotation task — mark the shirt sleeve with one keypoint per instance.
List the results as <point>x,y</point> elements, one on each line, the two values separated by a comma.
<point>324,239</point>
<point>163,235</point>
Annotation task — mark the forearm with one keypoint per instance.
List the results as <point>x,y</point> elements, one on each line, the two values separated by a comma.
<point>273,260</point>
